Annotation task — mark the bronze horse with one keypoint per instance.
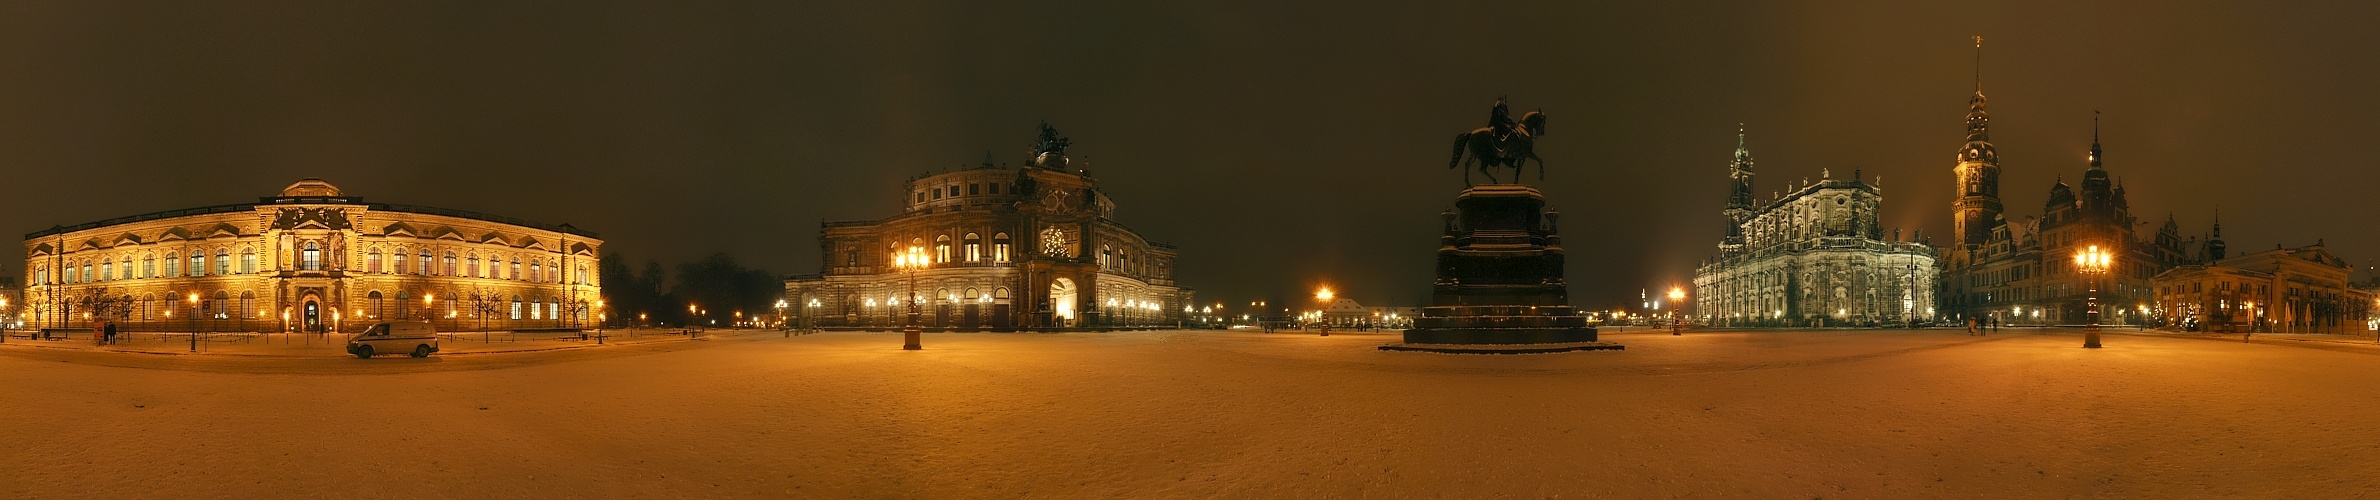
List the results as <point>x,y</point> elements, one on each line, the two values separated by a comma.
<point>1512,147</point>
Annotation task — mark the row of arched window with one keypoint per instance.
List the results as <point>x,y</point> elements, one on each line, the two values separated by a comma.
<point>404,307</point>
<point>971,249</point>
<point>469,265</point>
<point>146,265</point>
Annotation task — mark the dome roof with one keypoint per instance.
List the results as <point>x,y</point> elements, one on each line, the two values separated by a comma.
<point>310,187</point>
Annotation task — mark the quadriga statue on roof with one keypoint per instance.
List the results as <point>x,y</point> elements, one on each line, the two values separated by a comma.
<point>1503,143</point>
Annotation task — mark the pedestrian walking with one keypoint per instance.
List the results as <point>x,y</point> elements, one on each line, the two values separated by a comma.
<point>1971,327</point>
<point>111,333</point>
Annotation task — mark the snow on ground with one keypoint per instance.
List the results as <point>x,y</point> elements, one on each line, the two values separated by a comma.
<point>1833,414</point>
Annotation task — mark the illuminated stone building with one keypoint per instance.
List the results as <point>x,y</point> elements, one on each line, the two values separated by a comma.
<point>310,259</point>
<point>2024,273</point>
<point>1813,256</point>
<point>1030,247</point>
<point>2296,290</point>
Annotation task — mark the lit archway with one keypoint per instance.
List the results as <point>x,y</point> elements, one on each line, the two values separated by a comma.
<point>1062,298</point>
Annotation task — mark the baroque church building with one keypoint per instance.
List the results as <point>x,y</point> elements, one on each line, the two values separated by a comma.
<point>1033,247</point>
<point>1813,256</point>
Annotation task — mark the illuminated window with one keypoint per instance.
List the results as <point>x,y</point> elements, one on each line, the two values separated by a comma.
<point>372,262</point>
<point>222,262</point>
<point>198,264</point>
<point>516,269</point>
<point>374,300</point>
<point>516,307</point>
<point>148,266</point>
<point>537,271</point>
<point>248,260</point>
<point>974,247</point>
<point>942,248</point>
<point>173,265</point>
<point>450,264</point>
<point>107,271</point>
<point>311,258</point>
<point>471,267</point>
<point>1000,247</point>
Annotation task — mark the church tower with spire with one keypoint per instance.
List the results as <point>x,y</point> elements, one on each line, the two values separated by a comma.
<point>1977,206</point>
<point>1739,196</point>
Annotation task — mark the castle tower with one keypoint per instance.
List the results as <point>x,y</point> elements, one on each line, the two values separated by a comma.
<point>1978,173</point>
<point>2214,244</point>
<point>1739,197</point>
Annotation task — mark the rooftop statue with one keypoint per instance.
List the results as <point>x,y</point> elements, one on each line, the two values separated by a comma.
<point>1503,143</point>
<point>1049,151</point>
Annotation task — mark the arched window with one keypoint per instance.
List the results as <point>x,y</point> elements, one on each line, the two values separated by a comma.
<point>222,262</point>
<point>516,308</point>
<point>221,308</point>
<point>516,268</point>
<point>248,305</point>
<point>582,275</point>
<point>942,248</point>
<point>1000,293</point>
<point>248,261</point>
<point>471,267</point>
<point>372,261</point>
<point>41,275</point>
<point>311,258</point>
<point>974,247</point>
<point>373,301</point>
<point>536,272</point>
<point>87,276</point>
<point>146,302</point>
<point>450,263</point>
<point>107,270</point>
<point>148,266</point>
<point>422,266</point>
<point>173,265</point>
<point>198,263</point>
<point>404,302</point>
<point>536,308</point>
<point>554,309</point>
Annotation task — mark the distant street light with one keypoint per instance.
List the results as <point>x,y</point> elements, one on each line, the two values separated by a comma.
<point>1677,299</point>
<point>1323,295</point>
<point>2093,263</point>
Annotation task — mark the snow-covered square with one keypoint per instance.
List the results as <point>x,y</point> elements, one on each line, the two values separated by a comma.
<point>1206,414</point>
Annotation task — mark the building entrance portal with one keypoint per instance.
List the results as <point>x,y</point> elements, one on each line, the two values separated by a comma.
<point>1062,301</point>
<point>313,316</point>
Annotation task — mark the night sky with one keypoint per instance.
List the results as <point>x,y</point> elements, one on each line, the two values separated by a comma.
<point>1280,144</point>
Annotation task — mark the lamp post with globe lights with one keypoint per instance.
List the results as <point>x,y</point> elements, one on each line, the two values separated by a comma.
<point>1324,295</point>
<point>912,261</point>
<point>2093,263</point>
<point>1677,300</point>
<point>781,324</point>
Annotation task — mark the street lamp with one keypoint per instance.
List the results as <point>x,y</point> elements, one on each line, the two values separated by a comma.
<point>2092,263</point>
<point>194,322</point>
<point>1677,299</point>
<point>599,319</point>
<point>1324,296</point>
<point>911,261</point>
<point>781,326</point>
<point>810,315</point>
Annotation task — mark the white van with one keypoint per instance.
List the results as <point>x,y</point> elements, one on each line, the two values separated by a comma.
<point>414,337</point>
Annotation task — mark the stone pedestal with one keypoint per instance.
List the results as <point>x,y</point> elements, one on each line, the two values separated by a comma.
<point>1500,286</point>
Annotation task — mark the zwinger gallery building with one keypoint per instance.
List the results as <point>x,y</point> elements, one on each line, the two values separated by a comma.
<point>310,259</point>
<point>1030,247</point>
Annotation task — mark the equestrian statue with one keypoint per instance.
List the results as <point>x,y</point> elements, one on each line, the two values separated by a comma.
<point>1504,143</point>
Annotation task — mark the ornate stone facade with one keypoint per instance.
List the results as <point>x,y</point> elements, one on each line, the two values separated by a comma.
<point>1029,247</point>
<point>310,259</point>
<point>2295,290</point>
<point>2023,273</point>
<point>1815,256</point>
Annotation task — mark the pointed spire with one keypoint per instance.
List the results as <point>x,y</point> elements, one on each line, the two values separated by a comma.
<point>1978,64</point>
<point>2094,139</point>
<point>2218,223</point>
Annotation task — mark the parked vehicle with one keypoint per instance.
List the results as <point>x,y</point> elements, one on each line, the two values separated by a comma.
<point>414,337</point>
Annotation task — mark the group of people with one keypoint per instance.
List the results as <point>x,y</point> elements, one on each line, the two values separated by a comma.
<point>103,333</point>
<point>1978,326</point>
